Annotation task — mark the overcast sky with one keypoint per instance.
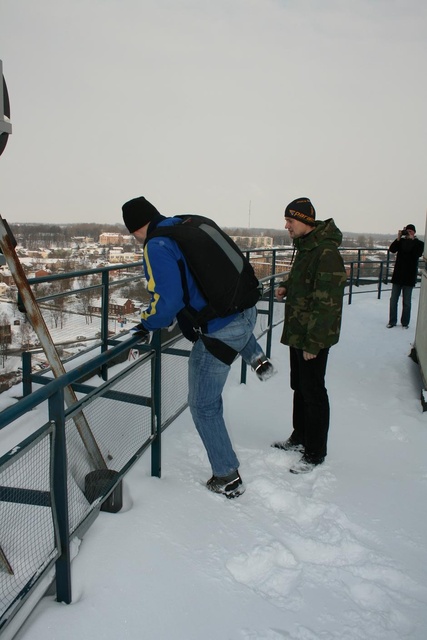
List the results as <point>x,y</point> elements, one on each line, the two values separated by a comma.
<point>227,108</point>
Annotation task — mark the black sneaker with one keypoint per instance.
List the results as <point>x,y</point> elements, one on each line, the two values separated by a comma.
<point>230,486</point>
<point>263,369</point>
<point>305,465</point>
<point>390,325</point>
<point>288,445</point>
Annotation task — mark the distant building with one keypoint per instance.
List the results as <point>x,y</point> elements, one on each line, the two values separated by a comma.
<point>111,238</point>
<point>117,255</point>
<point>119,307</point>
<point>6,277</point>
<point>131,256</point>
<point>5,334</point>
<point>253,242</point>
<point>262,264</point>
<point>82,239</point>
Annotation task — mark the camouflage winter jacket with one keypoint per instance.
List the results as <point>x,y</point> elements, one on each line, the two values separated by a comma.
<point>315,289</point>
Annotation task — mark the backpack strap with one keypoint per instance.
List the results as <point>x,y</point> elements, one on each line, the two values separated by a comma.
<point>189,316</point>
<point>219,349</point>
<point>198,320</point>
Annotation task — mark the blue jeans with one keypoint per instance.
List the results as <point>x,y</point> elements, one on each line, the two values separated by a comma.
<point>406,291</point>
<point>206,379</point>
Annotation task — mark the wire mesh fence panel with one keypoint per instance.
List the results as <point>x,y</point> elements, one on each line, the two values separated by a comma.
<point>174,381</point>
<point>72,315</point>
<point>121,425</point>
<point>27,531</point>
<point>79,465</point>
<point>73,307</point>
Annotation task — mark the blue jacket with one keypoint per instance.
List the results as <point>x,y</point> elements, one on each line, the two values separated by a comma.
<point>164,283</point>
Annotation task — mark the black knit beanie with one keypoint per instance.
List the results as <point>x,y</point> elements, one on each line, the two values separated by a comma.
<point>137,213</point>
<point>301,209</point>
<point>411,226</point>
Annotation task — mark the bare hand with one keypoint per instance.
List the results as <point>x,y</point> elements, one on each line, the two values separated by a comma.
<point>281,293</point>
<point>308,356</point>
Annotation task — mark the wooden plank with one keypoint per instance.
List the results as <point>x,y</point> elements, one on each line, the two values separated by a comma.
<point>4,563</point>
<point>7,246</point>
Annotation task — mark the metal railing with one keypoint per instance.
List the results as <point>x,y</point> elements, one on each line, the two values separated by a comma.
<point>49,477</point>
<point>50,489</point>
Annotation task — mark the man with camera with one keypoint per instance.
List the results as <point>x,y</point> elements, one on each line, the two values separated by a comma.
<point>409,250</point>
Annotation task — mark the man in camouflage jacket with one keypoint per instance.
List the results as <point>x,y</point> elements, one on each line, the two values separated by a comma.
<point>313,309</point>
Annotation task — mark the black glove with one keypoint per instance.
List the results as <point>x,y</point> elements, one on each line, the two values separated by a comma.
<point>143,334</point>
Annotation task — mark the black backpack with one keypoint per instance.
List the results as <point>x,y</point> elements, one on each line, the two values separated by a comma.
<point>223,274</point>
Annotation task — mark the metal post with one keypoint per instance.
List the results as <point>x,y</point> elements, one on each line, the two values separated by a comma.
<point>60,498</point>
<point>27,386</point>
<point>350,286</point>
<point>358,266</point>
<point>243,372</point>
<point>156,408</point>
<point>270,317</point>
<point>271,306</point>
<point>105,307</point>
<point>380,280</point>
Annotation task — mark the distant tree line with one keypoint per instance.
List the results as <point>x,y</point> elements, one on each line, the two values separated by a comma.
<point>33,236</point>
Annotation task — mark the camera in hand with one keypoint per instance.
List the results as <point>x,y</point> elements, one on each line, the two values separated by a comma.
<point>404,232</point>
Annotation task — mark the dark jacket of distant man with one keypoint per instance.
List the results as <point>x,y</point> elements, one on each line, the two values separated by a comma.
<point>406,266</point>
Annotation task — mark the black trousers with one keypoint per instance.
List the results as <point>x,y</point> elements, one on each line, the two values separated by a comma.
<point>311,403</point>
